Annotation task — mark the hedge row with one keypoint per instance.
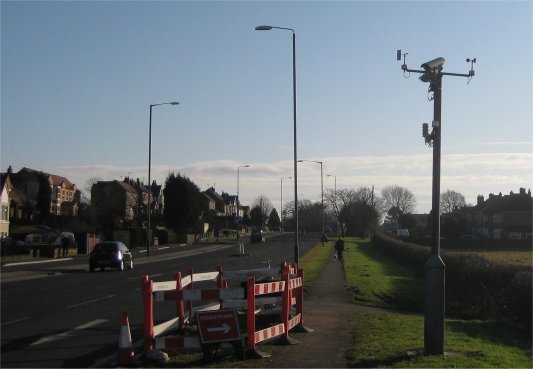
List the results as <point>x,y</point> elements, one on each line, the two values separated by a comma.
<point>475,287</point>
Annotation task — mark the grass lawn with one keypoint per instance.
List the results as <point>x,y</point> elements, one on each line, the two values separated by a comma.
<point>397,340</point>
<point>374,280</point>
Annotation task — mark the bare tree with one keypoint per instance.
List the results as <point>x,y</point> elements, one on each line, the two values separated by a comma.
<point>353,208</point>
<point>451,201</point>
<point>399,197</point>
<point>86,193</point>
<point>265,206</point>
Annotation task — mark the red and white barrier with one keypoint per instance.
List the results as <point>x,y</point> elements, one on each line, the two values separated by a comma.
<point>291,288</point>
<point>181,291</point>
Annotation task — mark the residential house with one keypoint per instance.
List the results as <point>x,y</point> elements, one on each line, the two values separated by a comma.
<point>117,197</point>
<point>64,195</point>
<point>158,199</point>
<point>6,185</point>
<point>209,205</point>
<point>502,217</point>
<point>220,204</point>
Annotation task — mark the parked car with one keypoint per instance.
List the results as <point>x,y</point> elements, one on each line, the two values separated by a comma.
<point>402,233</point>
<point>257,236</point>
<point>469,237</point>
<point>112,254</point>
<point>13,247</point>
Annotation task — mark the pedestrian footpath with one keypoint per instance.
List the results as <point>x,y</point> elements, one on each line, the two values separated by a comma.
<point>326,311</point>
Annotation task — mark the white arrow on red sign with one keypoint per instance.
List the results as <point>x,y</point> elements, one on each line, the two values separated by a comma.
<point>225,328</point>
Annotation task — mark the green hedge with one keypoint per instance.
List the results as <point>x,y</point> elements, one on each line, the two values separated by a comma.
<point>475,287</point>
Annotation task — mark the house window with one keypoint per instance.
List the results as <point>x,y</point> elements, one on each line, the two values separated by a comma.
<point>4,213</point>
<point>496,234</point>
<point>515,236</point>
<point>497,219</point>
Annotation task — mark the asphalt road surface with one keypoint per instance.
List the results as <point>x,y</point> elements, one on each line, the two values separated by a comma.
<point>58,314</point>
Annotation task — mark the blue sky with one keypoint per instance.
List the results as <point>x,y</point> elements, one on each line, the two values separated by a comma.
<point>77,79</point>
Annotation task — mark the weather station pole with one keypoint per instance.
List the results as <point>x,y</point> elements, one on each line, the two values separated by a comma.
<point>435,269</point>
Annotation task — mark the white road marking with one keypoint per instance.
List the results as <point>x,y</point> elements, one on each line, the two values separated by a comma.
<point>68,333</point>
<point>37,262</point>
<point>90,301</point>
<point>164,248</point>
<point>16,321</point>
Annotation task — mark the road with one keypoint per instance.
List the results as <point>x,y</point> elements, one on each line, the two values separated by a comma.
<point>58,314</point>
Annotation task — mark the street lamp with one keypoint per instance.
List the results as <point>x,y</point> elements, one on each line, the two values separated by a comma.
<point>322,187</point>
<point>281,211</point>
<point>149,173</point>
<point>268,28</point>
<point>238,168</point>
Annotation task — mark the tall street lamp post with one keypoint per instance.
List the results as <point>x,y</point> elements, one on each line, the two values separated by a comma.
<point>296,246</point>
<point>149,233</point>
<point>281,211</point>
<point>242,166</point>
<point>322,187</point>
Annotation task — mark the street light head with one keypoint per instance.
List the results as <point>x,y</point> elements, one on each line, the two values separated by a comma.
<point>174,103</point>
<point>263,28</point>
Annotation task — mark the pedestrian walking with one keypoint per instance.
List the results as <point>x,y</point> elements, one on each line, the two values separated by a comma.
<point>339,247</point>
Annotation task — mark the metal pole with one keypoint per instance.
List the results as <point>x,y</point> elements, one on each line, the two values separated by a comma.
<point>237,202</point>
<point>435,268</point>
<point>281,207</point>
<point>322,186</point>
<point>149,189</point>
<point>296,246</point>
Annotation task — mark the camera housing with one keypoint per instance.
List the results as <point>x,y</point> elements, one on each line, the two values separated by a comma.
<point>433,65</point>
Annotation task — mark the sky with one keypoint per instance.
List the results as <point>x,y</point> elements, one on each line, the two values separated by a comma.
<point>77,80</point>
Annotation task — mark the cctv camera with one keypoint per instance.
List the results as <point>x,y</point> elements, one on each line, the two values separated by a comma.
<point>433,65</point>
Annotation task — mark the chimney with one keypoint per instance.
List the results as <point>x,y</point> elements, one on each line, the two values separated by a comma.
<point>480,199</point>
<point>522,191</point>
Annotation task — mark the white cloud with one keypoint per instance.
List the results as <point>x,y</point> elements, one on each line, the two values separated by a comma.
<point>470,174</point>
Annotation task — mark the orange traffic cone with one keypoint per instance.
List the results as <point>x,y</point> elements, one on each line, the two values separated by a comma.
<point>125,346</point>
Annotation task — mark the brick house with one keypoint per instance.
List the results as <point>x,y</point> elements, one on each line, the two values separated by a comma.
<point>502,217</point>
<point>117,197</point>
<point>64,195</point>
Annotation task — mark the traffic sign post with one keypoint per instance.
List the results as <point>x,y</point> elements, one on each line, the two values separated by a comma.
<point>219,326</point>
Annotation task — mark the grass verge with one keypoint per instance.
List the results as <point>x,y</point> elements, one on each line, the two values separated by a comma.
<point>374,280</point>
<point>314,260</point>
<point>397,340</point>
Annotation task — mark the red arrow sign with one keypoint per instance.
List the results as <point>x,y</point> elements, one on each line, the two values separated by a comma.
<point>218,325</point>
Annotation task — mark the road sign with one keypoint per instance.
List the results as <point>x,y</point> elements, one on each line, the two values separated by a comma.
<point>218,325</point>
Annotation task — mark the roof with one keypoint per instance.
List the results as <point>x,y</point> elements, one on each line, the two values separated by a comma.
<point>60,181</point>
<point>501,203</point>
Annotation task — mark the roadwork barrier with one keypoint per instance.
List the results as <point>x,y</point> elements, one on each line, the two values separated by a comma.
<point>280,295</point>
